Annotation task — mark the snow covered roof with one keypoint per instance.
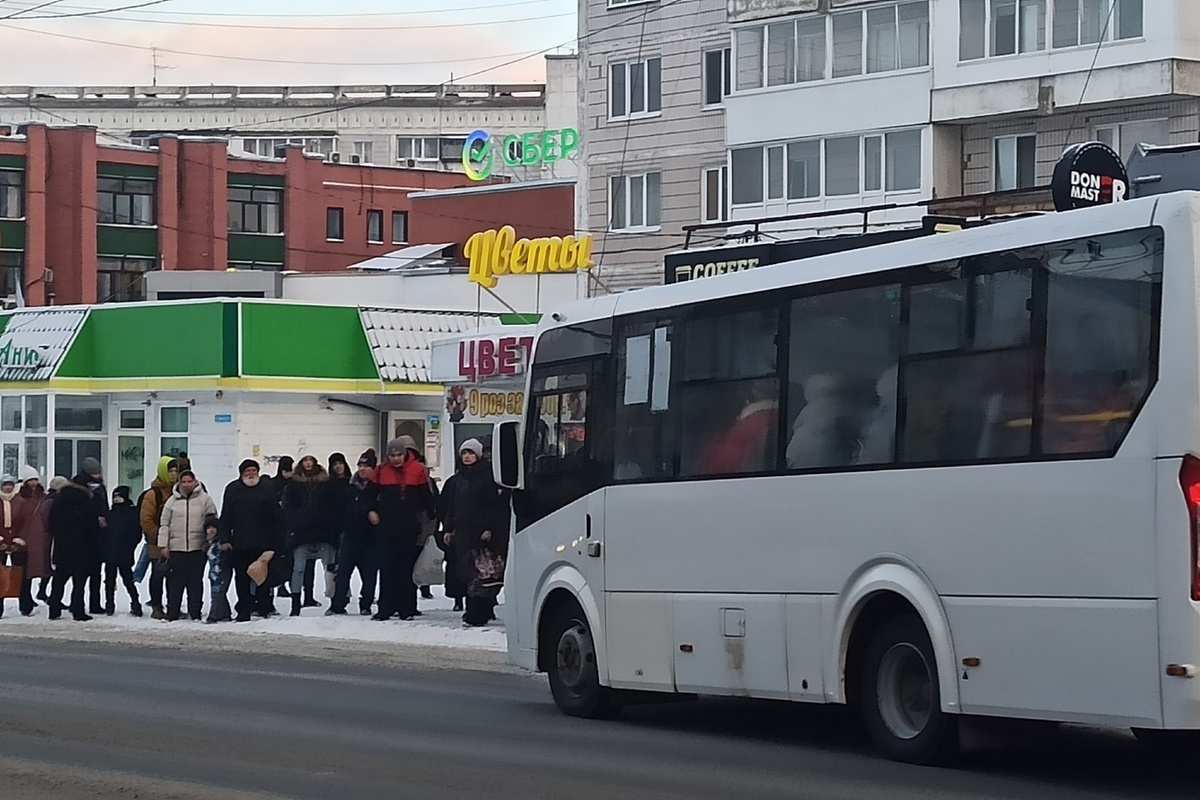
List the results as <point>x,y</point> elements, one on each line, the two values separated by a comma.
<point>400,340</point>
<point>45,331</point>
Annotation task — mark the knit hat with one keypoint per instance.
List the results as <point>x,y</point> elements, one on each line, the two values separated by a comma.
<point>474,445</point>
<point>401,444</point>
<point>90,466</point>
<point>27,473</point>
<point>369,458</point>
<point>8,479</point>
<point>122,491</point>
<point>247,464</point>
<point>58,482</point>
<point>337,458</point>
<point>286,464</point>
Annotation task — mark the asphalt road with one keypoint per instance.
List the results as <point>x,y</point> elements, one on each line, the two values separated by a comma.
<point>93,720</point>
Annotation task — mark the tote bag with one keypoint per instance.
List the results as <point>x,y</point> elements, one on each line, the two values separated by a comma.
<point>428,569</point>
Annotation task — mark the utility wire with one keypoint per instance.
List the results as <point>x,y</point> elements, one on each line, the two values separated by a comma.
<point>323,27</point>
<point>1112,6</point>
<point>460,9</point>
<point>93,13</point>
<point>46,4</point>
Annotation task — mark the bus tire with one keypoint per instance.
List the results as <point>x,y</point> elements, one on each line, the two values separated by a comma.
<point>900,696</point>
<point>573,672</point>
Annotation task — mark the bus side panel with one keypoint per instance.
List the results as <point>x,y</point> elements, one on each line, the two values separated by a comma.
<point>1072,660</point>
<point>639,636</point>
<point>1179,615</point>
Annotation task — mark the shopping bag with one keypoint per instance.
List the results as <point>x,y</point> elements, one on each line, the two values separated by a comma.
<point>330,582</point>
<point>489,574</point>
<point>428,569</point>
<point>10,581</point>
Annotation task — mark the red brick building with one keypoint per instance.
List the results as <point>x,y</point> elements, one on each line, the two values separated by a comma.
<point>81,221</point>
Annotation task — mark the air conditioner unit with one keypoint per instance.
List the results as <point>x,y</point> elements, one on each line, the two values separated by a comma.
<point>336,158</point>
<point>49,275</point>
<point>356,159</point>
<point>10,302</point>
<point>410,162</point>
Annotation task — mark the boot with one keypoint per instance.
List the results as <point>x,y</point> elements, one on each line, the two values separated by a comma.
<point>135,608</point>
<point>156,611</point>
<point>283,592</point>
<point>295,605</point>
<point>79,616</point>
<point>426,592</point>
<point>110,604</point>
<point>309,600</point>
<point>458,604</point>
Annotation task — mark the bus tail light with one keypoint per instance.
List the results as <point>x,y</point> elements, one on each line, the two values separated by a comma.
<point>1189,480</point>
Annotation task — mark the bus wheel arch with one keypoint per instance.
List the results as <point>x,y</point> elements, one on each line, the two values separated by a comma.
<point>568,654</point>
<point>884,589</point>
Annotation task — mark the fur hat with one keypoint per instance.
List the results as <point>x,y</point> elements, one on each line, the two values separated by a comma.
<point>369,458</point>
<point>474,445</point>
<point>58,482</point>
<point>247,464</point>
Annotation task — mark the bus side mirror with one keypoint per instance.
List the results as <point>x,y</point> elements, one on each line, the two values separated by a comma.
<point>508,468</point>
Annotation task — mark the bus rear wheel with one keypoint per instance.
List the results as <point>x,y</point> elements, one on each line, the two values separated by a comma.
<point>901,700</point>
<point>574,674</point>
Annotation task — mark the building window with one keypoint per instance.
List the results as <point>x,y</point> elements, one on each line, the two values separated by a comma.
<point>622,3</point>
<point>635,201</point>
<point>1123,138</point>
<point>271,146</point>
<point>119,280</point>
<point>716,203</point>
<point>12,194</point>
<point>1015,162</point>
<point>255,210</point>
<point>811,48</point>
<point>399,227</point>
<point>635,88</point>
<point>835,167</point>
<point>374,227</point>
<point>125,201</point>
<point>452,149</point>
<point>365,152</point>
<point>1085,22</point>
<point>335,229</point>
<point>418,148</point>
<point>1000,27</point>
<point>717,76</point>
<point>173,425</point>
<point>11,271</point>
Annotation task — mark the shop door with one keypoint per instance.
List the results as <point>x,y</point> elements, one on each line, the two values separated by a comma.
<point>131,450</point>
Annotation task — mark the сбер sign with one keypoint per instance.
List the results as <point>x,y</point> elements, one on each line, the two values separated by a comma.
<point>536,148</point>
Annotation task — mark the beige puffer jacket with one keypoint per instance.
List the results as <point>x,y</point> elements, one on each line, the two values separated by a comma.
<point>182,528</point>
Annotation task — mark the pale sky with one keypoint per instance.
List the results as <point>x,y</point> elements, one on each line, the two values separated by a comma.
<point>345,41</point>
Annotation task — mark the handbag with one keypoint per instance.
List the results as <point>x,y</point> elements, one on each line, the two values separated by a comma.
<point>428,569</point>
<point>489,574</point>
<point>11,579</point>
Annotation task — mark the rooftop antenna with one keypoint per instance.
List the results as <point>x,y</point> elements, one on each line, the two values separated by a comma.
<point>156,66</point>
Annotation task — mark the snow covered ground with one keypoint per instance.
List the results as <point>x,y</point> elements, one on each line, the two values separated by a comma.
<point>438,627</point>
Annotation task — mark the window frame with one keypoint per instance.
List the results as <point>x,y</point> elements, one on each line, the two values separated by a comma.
<point>258,204</point>
<point>725,57</point>
<point>9,190</point>
<point>123,188</point>
<point>625,69</point>
<point>131,290</point>
<point>335,224</point>
<point>722,172</point>
<point>402,216</point>
<point>424,157</point>
<point>375,219</point>
<point>1016,138</point>
<point>1117,130</point>
<point>628,199</point>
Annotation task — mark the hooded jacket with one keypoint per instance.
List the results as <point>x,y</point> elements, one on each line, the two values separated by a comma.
<point>184,520</point>
<point>306,506</point>
<point>150,512</point>
<point>404,492</point>
<point>123,533</point>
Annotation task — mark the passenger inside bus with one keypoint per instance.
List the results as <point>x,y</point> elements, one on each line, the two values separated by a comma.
<point>747,445</point>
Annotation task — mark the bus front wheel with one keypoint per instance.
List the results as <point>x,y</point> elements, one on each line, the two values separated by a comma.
<point>574,674</point>
<point>901,701</point>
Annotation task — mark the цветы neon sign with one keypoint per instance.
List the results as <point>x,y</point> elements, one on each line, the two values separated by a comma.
<point>493,253</point>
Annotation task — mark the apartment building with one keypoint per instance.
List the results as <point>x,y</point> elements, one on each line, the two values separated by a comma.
<point>655,75</point>
<point>414,126</point>
<point>839,104</point>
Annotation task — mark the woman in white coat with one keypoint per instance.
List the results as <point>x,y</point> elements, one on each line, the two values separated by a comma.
<point>189,521</point>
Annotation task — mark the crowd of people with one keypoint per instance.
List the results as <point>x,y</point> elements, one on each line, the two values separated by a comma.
<point>265,540</point>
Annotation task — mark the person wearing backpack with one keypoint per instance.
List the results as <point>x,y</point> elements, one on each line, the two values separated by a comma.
<point>150,509</point>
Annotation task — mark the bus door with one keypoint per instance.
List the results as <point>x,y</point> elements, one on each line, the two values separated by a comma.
<point>560,516</point>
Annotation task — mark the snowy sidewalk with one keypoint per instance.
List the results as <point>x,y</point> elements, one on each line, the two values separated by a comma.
<point>438,627</point>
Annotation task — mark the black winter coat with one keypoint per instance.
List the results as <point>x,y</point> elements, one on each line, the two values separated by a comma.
<point>306,507</point>
<point>338,494</point>
<point>360,502</point>
<point>99,492</point>
<point>120,539</point>
<point>74,528</point>
<point>251,518</point>
<point>474,504</point>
